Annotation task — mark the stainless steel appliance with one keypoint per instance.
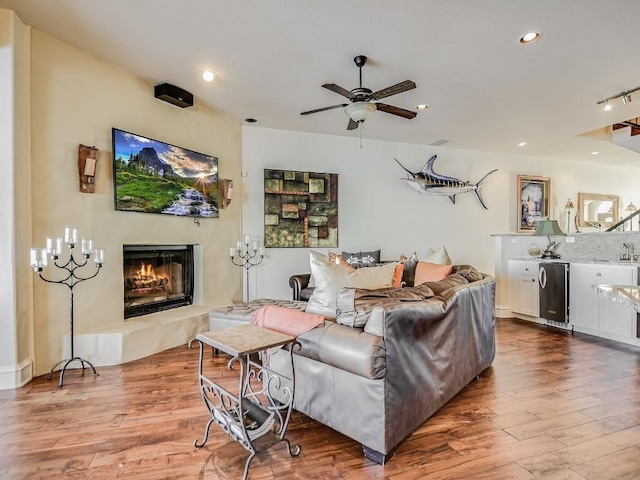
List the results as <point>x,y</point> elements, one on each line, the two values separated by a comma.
<point>553,285</point>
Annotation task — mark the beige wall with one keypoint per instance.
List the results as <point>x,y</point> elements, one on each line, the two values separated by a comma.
<point>76,98</point>
<point>15,220</point>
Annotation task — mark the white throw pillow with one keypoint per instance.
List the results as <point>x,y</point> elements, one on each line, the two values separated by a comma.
<point>441,257</point>
<point>330,278</point>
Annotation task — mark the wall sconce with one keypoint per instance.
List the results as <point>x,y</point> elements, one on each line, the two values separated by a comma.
<point>87,163</point>
<point>226,192</point>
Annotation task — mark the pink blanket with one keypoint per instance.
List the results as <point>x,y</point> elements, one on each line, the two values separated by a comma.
<point>285,320</point>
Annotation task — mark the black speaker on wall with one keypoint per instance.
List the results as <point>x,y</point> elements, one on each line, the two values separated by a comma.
<point>172,94</point>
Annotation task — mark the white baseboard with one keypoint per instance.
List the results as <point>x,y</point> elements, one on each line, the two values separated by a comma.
<point>15,376</point>
<point>503,312</point>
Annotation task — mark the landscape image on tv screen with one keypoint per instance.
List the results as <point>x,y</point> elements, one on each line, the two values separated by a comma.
<point>156,177</point>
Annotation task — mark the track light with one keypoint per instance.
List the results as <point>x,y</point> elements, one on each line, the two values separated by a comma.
<point>626,98</point>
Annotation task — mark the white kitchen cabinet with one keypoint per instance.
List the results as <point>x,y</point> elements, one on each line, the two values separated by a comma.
<point>595,314</point>
<point>523,282</point>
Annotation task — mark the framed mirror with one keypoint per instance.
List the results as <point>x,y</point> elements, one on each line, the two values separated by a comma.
<point>597,210</point>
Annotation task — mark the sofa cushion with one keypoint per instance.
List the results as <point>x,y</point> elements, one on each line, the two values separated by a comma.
<point>345,348</point>
<point>355,305</point>
<point>442,286</point>
<point>468,272</point>
<point>331,277</point>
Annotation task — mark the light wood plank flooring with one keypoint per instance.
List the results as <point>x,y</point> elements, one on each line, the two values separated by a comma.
<point>554,406</point>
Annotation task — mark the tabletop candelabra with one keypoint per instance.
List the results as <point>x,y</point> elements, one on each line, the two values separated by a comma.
<point>245,254</point>
<point>39,259</point>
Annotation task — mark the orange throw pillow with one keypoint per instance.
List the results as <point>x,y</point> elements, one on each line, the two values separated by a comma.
<point>397,276</point>
<point>431,272</point>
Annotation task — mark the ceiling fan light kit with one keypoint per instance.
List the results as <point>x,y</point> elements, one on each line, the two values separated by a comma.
<point>362,99</point>
<point>360,111</point>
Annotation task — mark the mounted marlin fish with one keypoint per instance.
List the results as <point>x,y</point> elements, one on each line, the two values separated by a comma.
<point>429,182</point>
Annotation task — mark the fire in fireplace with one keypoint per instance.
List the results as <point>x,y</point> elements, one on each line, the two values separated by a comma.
<point>157,277</point>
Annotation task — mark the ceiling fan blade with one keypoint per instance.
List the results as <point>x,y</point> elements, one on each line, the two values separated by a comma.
<point>394,89</point>
<point>352,125</point>
<point>338,89</point>
<point>325,108</point>
<point>401,112</point>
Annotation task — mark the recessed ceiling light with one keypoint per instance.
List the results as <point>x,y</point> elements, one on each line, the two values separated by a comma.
<point>529,38</point>
<point>422,106</point>
<point>251,120</point>
<point>522,144</point>
<point>208,76</point>
<point>595,153</point>
<point>607,106</point>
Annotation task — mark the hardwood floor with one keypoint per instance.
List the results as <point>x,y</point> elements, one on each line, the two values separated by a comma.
<point>554,406</point>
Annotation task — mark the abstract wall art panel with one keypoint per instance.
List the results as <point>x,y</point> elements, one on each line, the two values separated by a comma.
<point>300,209</point>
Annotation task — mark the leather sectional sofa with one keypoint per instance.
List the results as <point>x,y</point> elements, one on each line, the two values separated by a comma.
<point>418,349</point>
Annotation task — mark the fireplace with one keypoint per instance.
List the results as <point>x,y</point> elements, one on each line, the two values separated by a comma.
<point>156,277</point>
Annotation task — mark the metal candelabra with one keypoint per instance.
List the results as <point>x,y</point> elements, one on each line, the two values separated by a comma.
<point>53,249</point>
<point>245,254</point>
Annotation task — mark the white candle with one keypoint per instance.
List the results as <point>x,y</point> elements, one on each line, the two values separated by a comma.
<point>57,248</point>
<point>262,251</point>
<point>255,246</point>
<point>232,252</point>
<point>43,258</point>
<point>239,246</point>
<point>49,243</point>
<point>86,246</point>
<point>70,235</point>
<point>90,167</point>
<point>247,239</point>
<point>33,257</point>
<point>98,256</point>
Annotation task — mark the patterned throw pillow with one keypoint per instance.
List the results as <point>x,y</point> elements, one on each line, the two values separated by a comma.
<point>362,259</point>
<point>335,258</point>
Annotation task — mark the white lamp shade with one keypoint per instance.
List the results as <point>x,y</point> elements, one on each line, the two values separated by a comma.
<point>360,111</point>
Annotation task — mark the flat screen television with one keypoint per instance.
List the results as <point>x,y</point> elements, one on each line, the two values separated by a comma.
<point>155,177</point>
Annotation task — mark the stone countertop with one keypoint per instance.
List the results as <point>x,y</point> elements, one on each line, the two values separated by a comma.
<point>590,261</point>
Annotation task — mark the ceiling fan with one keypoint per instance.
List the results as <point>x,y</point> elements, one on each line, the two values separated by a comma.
<point>362,99</point>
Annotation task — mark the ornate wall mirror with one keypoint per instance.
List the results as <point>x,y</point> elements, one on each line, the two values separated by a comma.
<point>597,210</point>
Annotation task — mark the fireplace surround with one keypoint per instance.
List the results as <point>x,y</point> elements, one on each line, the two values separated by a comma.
<point>156,278</point>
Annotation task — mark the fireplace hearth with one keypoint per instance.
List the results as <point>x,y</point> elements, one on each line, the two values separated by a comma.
<point>156,278</point>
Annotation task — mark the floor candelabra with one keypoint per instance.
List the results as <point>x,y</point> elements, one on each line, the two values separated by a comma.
<point>39,260</point>
<point>247,254</point>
